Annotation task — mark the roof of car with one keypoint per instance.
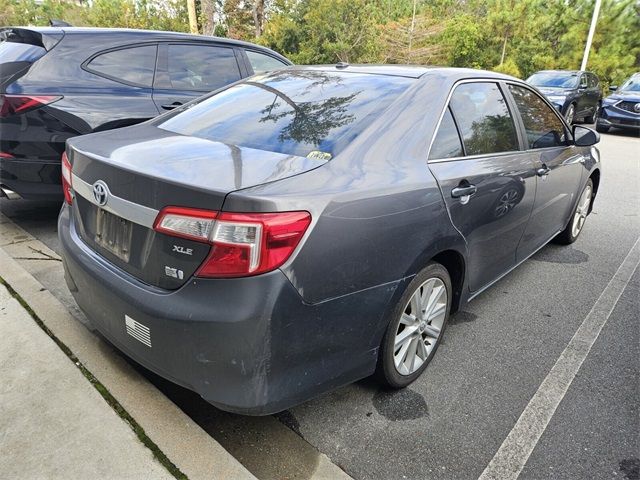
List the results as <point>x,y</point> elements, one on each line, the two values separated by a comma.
<point>564,71</point>
<point>410,71</point>
<point>156,34</point>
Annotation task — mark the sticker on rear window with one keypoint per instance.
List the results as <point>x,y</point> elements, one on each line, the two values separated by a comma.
<point>318,155</point>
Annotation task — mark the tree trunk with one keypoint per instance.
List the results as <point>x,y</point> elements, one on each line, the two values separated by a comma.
<point>413,26</point>
<point>504,48</point>
<point>258,16</point>
<point>208,16</point>
<point>193,18</point>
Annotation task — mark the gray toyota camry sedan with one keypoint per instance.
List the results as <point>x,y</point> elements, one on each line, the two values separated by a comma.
<point>302,229</point>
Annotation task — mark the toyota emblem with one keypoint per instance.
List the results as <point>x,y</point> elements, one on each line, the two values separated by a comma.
<point>100,192</point>
<point>636,107</point>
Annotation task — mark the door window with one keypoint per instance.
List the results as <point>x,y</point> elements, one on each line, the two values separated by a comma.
<point>263,63</point>
<point>201,67</point>
<point>446,144</point>
<point>131,65</point>
<point>583,81</point>
<point>543,127</point>
<point>483,118</point>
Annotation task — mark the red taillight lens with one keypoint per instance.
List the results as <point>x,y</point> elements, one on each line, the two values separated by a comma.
<point>15,104</point>
<point>66,179</point>
<point>242,243</point>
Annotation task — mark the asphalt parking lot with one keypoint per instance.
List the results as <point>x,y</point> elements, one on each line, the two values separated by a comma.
<point>496,354</point>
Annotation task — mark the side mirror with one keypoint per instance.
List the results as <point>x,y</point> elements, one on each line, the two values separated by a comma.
<point>613,88</point>
<point>584,137</point>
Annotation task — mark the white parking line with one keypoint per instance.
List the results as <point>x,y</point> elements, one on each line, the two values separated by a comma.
<point>514,452</point>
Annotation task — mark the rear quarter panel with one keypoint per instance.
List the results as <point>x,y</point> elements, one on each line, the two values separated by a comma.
<point>378,214</point>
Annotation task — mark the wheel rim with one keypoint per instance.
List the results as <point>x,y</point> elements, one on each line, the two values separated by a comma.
<point>569,115</point>
<point>581,211</point>
<point>420,326</point>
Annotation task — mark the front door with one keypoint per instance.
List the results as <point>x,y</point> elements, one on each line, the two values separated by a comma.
<point>558,169</point>
<point>487,183</point>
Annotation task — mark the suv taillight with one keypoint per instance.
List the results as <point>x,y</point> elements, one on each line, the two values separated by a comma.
<point>15,104</point>
<point>67,184</point>
<point>242,244</point>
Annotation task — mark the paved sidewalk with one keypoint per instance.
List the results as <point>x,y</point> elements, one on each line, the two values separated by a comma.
<point>53,422</point>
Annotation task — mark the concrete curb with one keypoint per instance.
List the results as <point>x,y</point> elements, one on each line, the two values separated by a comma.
<point>189,447</point>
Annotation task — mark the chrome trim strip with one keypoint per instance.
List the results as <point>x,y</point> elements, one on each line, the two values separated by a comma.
<point>133,212</point>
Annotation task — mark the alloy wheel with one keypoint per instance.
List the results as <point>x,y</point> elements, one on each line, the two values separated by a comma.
<point>420,326</point>
<point>571,110</point>
<point>581,211</point>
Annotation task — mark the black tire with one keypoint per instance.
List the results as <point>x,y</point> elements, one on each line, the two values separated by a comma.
<point>567,236</point>
<point>593,118</point>
<point>386,372</point>
<point>602,128</point>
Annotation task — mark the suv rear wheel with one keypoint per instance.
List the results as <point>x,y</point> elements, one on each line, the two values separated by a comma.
<point>416,327</point>
<point>570,114</point>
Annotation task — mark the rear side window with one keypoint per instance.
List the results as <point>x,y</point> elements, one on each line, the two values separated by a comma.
<point>543,127</point>
<point>485,124</point>
<point>201,67</point>
<point>135,65</point>
<point>447,142</point>
<point>263,63</point>
<point>293,112</point>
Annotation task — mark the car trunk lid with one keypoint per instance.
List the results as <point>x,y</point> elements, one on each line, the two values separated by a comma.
<point>123,178</point>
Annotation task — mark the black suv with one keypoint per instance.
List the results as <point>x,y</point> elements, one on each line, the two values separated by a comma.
<point>57,83</point>
<point>575,93</point>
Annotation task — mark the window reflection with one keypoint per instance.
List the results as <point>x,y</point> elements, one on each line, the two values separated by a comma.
<point>483,118</point>
<point>543,127</point>
<point>292,112</point>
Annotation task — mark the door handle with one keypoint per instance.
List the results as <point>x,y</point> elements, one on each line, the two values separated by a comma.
<point>542,171</point>
<point>463,191</point>
<point>171,106</point>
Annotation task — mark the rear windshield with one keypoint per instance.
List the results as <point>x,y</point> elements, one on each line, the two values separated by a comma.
<point>554,80</point>
<point>13,49</point>
<point>291,112</point>
<point>16,56</point>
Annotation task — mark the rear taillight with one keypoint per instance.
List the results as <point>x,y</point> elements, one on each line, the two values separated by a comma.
<point>15,104</point>
<point>242,243</point>
<point>189,223</point>
<point>67,184</point>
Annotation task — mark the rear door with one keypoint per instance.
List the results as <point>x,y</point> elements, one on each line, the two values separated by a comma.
<point>486,180</point>
<point>189,70</point>
<point>557,164</point>
<point>132,70</point>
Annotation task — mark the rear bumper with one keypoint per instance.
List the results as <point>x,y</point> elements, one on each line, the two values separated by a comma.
<point>247,345</point>
<point>32,179</point>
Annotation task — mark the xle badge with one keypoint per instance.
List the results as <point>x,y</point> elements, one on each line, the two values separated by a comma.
<point>173,272</point>
<point>180,249</point>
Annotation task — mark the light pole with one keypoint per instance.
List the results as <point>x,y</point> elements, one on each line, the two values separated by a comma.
<point>592,29</point>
